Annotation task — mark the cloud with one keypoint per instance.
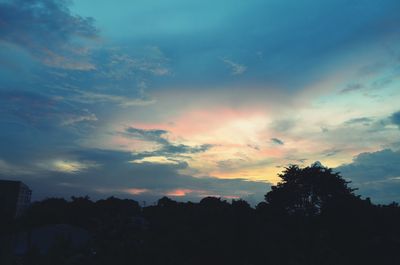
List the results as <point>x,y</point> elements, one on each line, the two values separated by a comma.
<point>37,129</point>
<point>283,125</point>
<point>277,141</point>
<point>395,118</point>
<point>166,148</point>
<point>68,110</point>
<point>67,166</point>
<point>9,169</point>
<point>377,174</point>
<point>231,164</point>
<point>39,110</point>
<point>185,149</point>
<point>254,146</point>
<point>352,87</point>
<point>236,68</point>
<point>122,64</point>
<point>331,152</point>
<point>381,83</point>
<point>121,78</point>
<point>48,31</point>
<point>374,166</point>
<point>361,120</point>
<point>128,70</point>
<point>78,119</point>
<point>123,101</point>
<point>115,175</point>
<point>147,135</point>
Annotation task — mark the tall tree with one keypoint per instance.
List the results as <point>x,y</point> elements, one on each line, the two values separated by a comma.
<point>309,191</point>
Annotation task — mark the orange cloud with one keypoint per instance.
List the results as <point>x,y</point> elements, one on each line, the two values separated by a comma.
<point>179,192</point>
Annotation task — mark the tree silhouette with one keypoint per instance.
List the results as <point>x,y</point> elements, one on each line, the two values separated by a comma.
<point>310,217</point>
<point>166,202</point>
<point>309,191</point>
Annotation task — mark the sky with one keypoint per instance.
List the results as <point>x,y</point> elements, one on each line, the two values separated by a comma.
<point>141,99</point>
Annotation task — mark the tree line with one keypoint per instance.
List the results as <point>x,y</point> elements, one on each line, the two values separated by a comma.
<point>312,216</point>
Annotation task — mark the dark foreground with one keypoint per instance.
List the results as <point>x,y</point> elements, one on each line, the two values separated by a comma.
<point>311,217</point>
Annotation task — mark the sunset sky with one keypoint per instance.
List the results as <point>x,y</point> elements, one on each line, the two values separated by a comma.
<point>140,99</point>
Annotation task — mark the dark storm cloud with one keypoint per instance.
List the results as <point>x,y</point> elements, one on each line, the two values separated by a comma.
<point>377,174</point>
<point>48,31</point>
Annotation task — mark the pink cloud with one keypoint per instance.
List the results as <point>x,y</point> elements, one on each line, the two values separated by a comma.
<point>201,121</point>
<point>178,192</point>
<point>136,191</point>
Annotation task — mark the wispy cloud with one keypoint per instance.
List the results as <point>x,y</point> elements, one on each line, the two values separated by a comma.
<point>361,120</point>
<point>331,152</point>
<point>77,119</point>
<point>236,68</point>
<point>352,87</point>
<point>66,165</point>
<point>123,101</point>
<point>122,65</point>
<point>9,169</point>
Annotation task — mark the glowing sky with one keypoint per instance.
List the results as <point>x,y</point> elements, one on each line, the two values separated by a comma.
<point>195,98</point>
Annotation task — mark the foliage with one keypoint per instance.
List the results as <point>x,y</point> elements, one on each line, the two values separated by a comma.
<point>310,217</point>
<point>309,191</point>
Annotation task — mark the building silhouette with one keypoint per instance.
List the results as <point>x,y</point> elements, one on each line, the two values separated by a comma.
<point>15,198</point>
